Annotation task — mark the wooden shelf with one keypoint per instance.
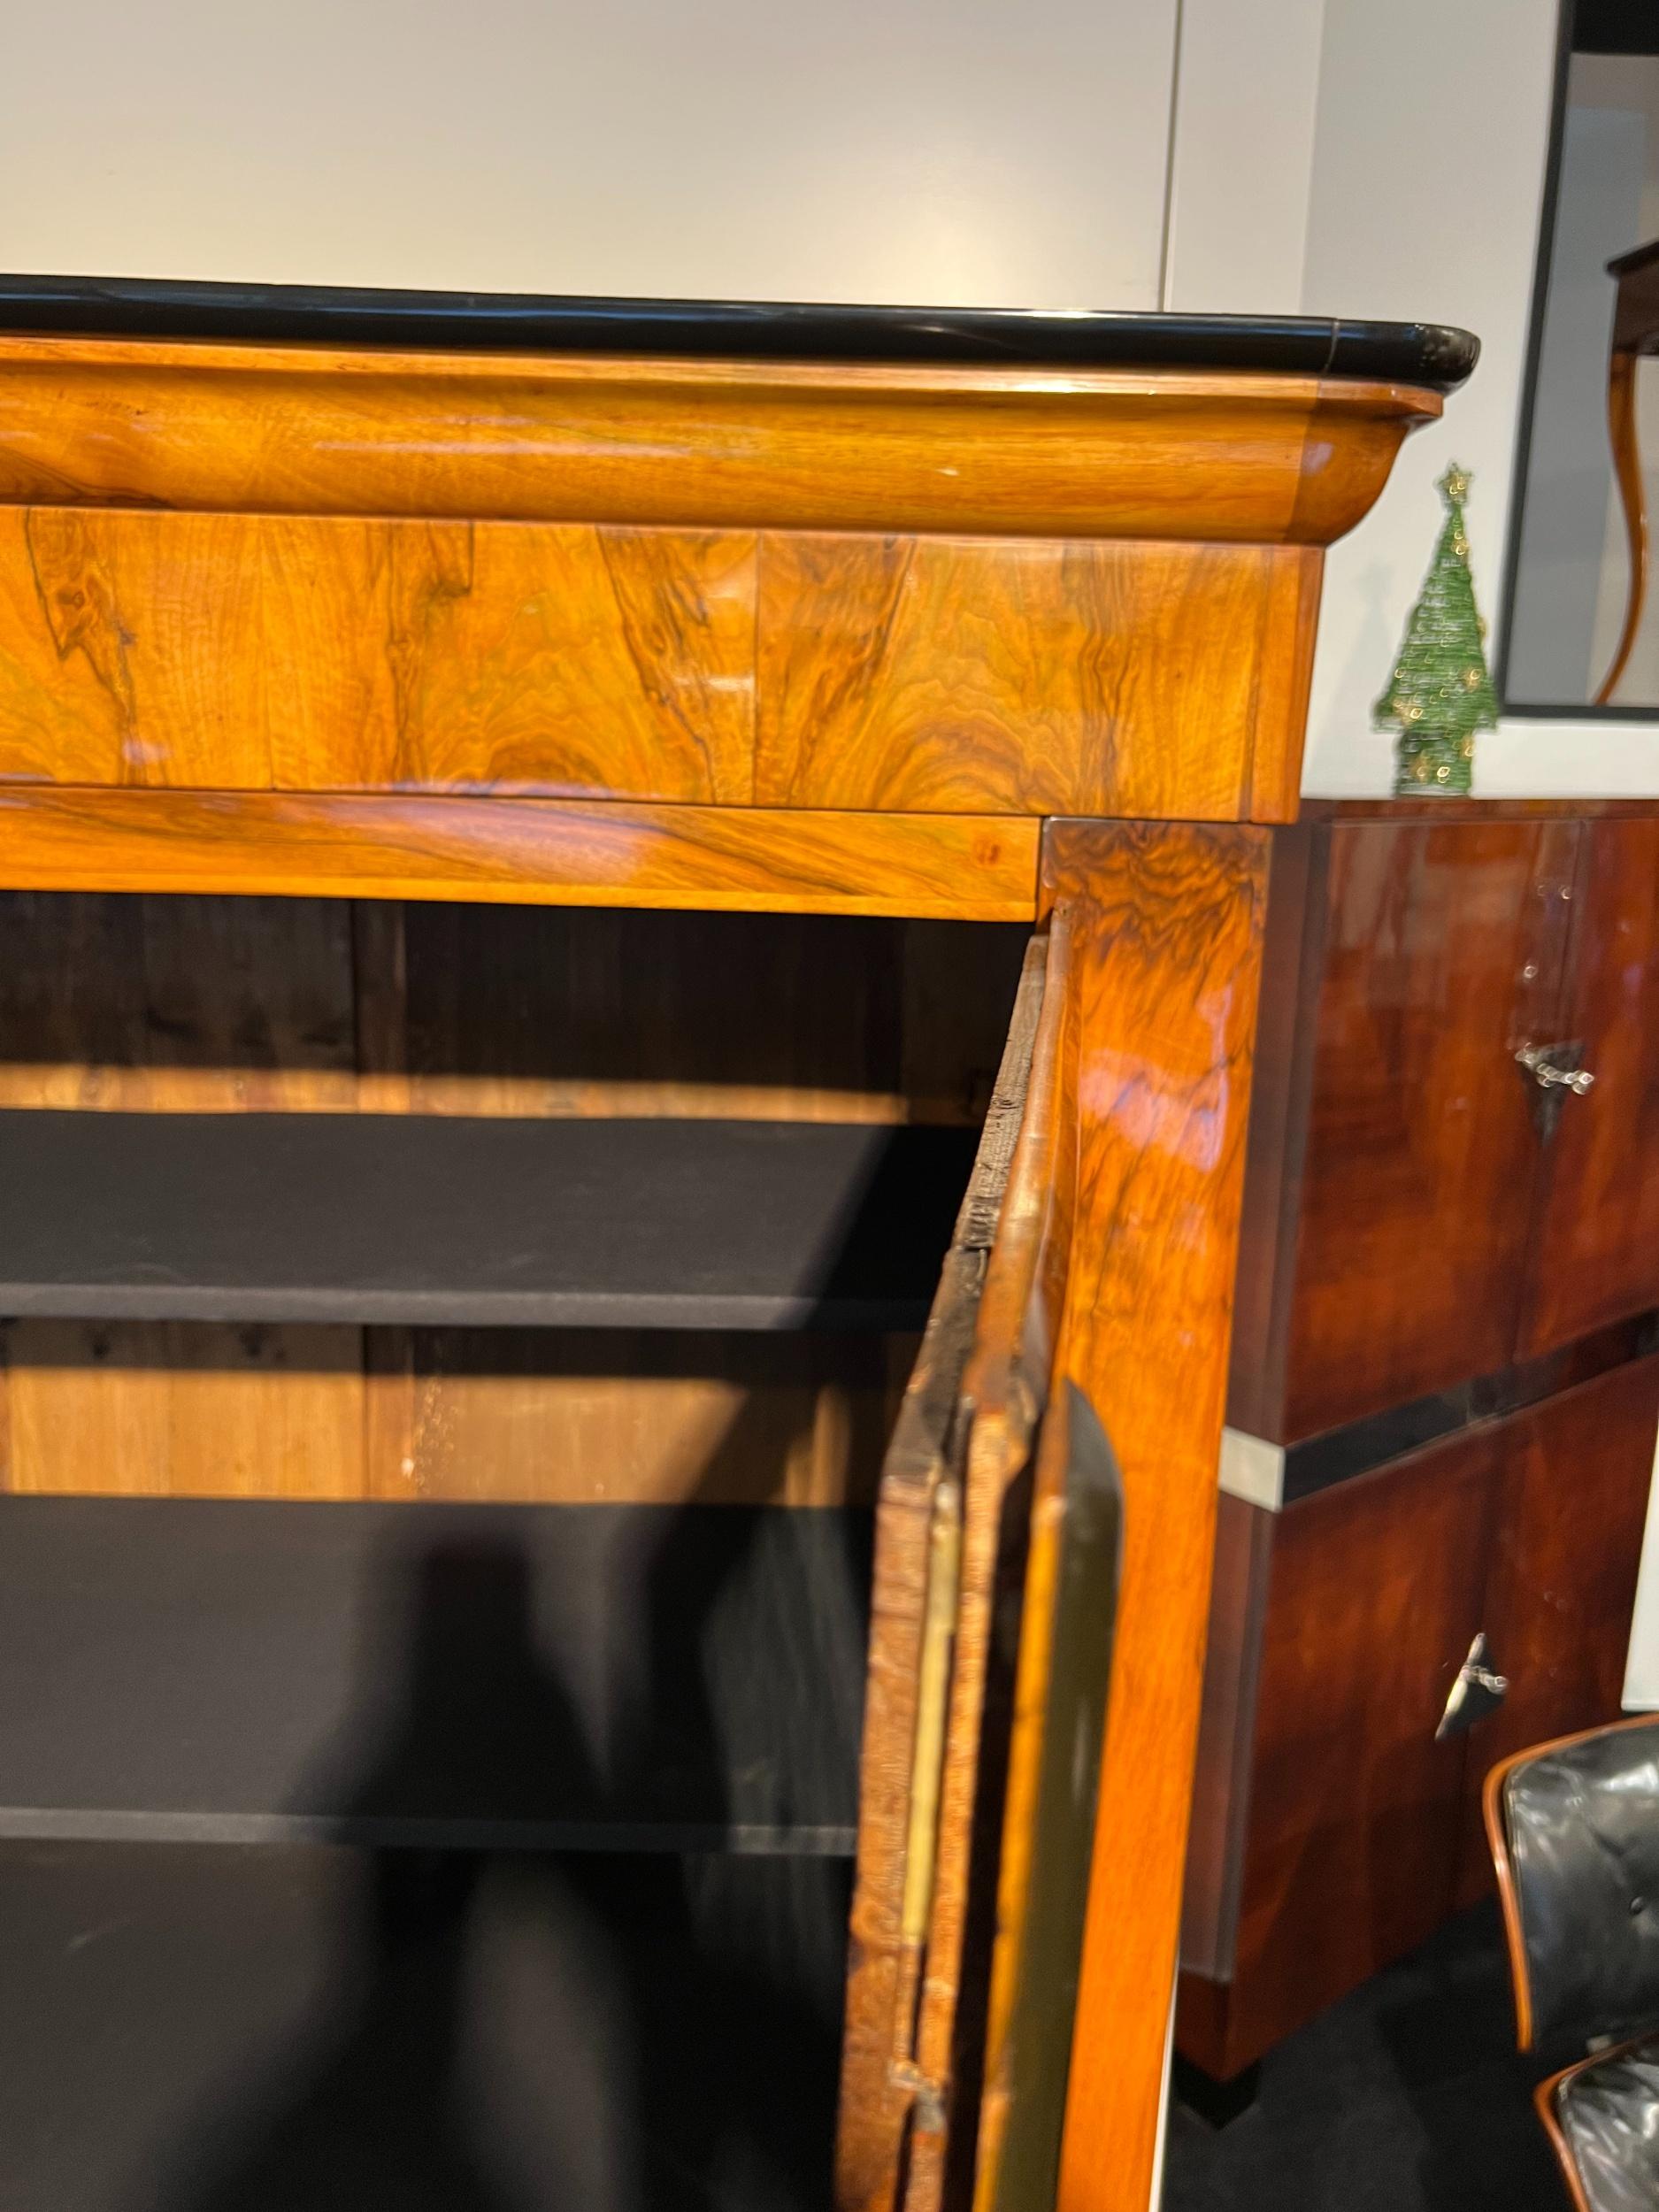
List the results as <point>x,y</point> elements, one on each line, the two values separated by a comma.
<point>302,2027</point>
<point>385,1218</point>
<point>588,1676</point>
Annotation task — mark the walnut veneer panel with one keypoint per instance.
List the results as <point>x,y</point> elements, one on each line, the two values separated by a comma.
<point>800,445</point>
<point>272,652</point>
<point>1038,677</point>
<point>1168,923</point>
<point>947,675</point>
<point>531,852</point>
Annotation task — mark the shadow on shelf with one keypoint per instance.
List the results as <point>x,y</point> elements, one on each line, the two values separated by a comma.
<point>621,2031</point>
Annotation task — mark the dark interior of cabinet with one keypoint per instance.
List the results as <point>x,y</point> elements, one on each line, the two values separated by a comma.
<point>448,1358</point>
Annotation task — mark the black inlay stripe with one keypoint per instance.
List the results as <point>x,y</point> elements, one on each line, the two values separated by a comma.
<point>1361,1446</point>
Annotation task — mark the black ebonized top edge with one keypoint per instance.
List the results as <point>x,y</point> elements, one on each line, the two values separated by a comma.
<point>1432,354</point>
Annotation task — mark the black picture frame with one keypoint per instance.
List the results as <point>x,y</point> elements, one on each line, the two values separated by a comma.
<point>1583,27</point>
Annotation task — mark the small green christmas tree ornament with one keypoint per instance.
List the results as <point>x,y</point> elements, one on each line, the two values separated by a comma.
<point>1440,692</point>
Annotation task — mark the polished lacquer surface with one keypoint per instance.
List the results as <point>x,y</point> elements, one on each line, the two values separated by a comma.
<point>1422,353</point>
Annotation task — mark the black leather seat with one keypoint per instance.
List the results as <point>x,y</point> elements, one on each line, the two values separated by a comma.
<point>1603,2119</point>
<point>1574,1830</point>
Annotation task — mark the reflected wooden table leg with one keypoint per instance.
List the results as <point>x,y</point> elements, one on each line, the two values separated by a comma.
<point>1621,422</point>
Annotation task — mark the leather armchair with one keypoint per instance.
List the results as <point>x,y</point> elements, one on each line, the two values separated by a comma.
<point>1574,1830</point>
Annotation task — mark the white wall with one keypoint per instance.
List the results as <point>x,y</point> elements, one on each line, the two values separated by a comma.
<point>1241,153</point>
<point>1427,183</point>
<point>945,150</point>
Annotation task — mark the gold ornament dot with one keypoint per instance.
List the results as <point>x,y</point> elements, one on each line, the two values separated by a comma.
<point>1442,774</point>
<point>1472,679</point>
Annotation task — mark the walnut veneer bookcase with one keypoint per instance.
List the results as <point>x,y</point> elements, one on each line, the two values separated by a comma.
<point>551,851</point>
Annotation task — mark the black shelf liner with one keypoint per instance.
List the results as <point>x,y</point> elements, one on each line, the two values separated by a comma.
<point>572,1677</point>
<point>408,1218</point>
<point>1432,354</point>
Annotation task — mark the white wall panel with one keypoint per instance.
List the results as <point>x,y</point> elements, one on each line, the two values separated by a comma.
<point>944,151</point>
<point>1247,88</point>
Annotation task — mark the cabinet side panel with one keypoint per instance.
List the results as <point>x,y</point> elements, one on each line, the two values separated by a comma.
<point>1280,1094</point>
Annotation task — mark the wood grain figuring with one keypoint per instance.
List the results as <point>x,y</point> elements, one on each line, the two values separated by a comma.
<point>299,654</point>
<point>1354,1810</point>
<point>1289,622</point>
<point>950,676</point>
<point>1420,1147</point>
<point>536,852</point>
<point>939,675</point>
<point>184,1410</point>
<point>717,444</point>
<point>1596,1251</point>
<point>1169,924</point>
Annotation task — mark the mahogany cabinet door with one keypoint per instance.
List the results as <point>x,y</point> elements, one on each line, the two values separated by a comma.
<point>1574,1476</point>
<point>1374,1595</point>
<point>1595,1255</point>
<point>1418,1153</point>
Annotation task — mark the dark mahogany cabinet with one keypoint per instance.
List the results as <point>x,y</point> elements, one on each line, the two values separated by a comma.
<point>1443,1403</point>
<point>1594,1254</point>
